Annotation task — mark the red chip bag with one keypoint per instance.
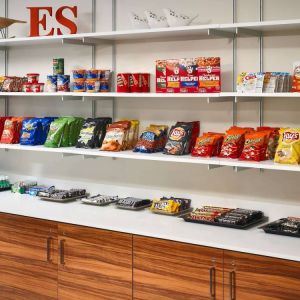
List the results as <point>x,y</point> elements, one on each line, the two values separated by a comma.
<point>2,122</point>
<point>255,147</point>
<point>233,143</point>
<point>208,145</point>
<point>12,130</point>
<point>273,140</point>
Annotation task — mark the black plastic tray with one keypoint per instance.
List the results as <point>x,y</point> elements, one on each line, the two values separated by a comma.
<point>178,214</point>
<point>62,200</point>
<point>134,208</point>
<point>99,204</point>
<point>267,229</point>
<point>5,189</point>
<point>243,227</point>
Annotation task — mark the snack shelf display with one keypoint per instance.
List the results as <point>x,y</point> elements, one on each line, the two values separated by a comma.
<point>283,27</point>
<point>212,163</point>
<point>223,96</point>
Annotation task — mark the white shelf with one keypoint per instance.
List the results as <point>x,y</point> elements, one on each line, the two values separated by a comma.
<point>266,28</point>
<point>113,95</point>
<point>214,161</point>
<point>280,27</point>
<point>153,95</point>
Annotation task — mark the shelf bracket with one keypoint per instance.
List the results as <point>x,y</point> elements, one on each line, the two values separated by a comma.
<point>65,155</point>
<point>239,169</point>
<point>92,41</point>
<point>3,48</point>
<point>73,98</point>
<point>212,167</point>
<point>219,99</point>
<point>84,157</point>
<point>246,99</point>
<point>220,33</point>
<point>247,32</point>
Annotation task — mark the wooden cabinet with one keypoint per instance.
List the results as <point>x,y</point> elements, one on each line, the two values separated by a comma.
<point>28,259</point>
<point>252,277</point>
<point>165,270</point>
<point>41,260</point>
<point>94,264</point>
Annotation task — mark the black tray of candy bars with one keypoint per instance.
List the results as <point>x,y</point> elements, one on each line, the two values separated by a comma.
<point>62,196</point>
<point>100,200</point>
<point>286,226</point>
<point>176,214</point>
<point>131,203</point>
<point>257,217</point>
<point>5,189</point>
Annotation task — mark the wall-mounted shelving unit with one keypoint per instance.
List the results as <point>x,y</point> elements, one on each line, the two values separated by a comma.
<point>230,31</point>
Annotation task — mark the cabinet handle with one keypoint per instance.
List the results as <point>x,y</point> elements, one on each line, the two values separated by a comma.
<point>62,251</point>
<point>49,243</point>
<point>212,283</point>
<point>232,289</point>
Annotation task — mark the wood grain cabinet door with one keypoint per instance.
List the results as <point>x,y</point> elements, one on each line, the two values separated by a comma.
<point>94,264</point>
<point>165,270</point>
<point>28,259</point>
<point>252,277</point>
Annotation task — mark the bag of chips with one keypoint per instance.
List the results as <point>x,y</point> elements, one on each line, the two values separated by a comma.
<point>194,136</point>
<point>12,130</point>
<point>208,145</point>
<point>153,139</point>
<point>288,150</point>
<point>117,136</point>
<point>273,140</point>
<point>255,147</point>
<point>32,129</point>
<point>233,143</point>
<point>2,122</point>
<point>92,133</point>
<point>56,132</point>
<point>179,139</point>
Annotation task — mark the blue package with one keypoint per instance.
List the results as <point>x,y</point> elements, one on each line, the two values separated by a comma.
<point>45,129</point>
<point>31,129</point>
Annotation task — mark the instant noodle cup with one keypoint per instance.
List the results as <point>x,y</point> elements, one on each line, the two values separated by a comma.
<point>79,74</point>
<point>79,86</point>
<point>33,77</point>
<point>92,85</point>
<point>51,84</point>
<point>27,87</point>
<point>288,150</point>
<point>38,87</point>
<point>92,74</point>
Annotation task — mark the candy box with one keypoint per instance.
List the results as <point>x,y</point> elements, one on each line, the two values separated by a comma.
<point>188,76</point>
<point>173,77</point>
<point>161,77</point>
<point>209,72</point>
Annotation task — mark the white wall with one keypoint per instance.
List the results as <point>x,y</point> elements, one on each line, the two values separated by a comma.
<point>279,54</point>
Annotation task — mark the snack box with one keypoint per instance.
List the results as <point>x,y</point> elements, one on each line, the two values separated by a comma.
<point>188,76</point>
<point>209,72</point>
<point>161,77</point>
<point>173,77</point>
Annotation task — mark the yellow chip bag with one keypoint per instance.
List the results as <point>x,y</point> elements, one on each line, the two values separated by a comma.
<point>288,150</point>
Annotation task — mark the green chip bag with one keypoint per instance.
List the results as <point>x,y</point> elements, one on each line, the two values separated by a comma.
<point>56,132</point>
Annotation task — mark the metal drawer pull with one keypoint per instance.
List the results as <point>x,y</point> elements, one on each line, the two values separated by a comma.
<point>232,285</point>
<point>212,283</point>
<point>49,243</point>
<point>62,251</point>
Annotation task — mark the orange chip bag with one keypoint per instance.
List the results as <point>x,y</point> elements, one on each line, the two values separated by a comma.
<point>233,143</point>
<point>288,150</point>
<point>208,145</point>
<point>255,146</point>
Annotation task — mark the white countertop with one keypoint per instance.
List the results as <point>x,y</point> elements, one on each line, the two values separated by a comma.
<point>145,223</point>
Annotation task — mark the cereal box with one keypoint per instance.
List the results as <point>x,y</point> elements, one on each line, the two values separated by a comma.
<point>173,77</point>
<point>188,75</point>
<point>209,72</point>
<point>161,77</point>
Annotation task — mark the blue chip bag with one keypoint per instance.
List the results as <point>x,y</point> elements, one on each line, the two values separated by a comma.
<point>31,130</point>
<point>45,129</point>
